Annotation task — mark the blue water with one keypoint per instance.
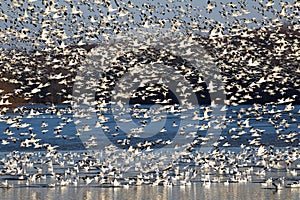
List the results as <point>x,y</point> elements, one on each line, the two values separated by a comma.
<point>39,169</point>
<point>61,129</point>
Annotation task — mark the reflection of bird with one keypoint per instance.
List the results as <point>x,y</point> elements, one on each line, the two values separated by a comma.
<point>278,186</point>
<point>6,184</point>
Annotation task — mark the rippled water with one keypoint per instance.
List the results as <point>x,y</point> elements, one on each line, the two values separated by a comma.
<point>68,142</point>
<point>195,191</point>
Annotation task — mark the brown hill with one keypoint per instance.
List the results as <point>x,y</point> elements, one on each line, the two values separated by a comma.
<point>258,66</point>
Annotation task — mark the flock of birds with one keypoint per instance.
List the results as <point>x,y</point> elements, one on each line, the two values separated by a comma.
<point>122,168</point>
<point>59,24</point>
<point>259,62</point>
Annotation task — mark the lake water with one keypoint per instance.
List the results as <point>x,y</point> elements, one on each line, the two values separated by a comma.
<point>61,129</point>
<point>39,169</point>
<point>195,191</point>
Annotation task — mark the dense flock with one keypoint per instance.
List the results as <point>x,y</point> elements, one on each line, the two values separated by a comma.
<point>69,53</point>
